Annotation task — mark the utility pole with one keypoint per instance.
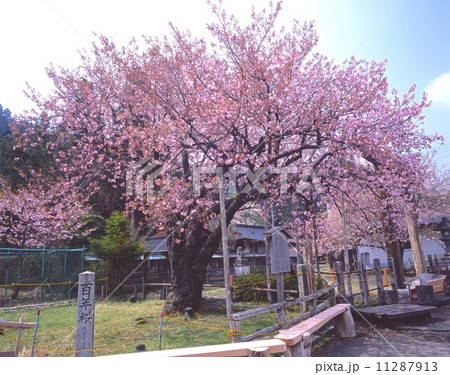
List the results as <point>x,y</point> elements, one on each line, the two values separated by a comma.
<point>348,274</point>
<point>226,260</point>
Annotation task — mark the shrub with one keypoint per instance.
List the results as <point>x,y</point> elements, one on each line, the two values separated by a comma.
<point>255,280</point>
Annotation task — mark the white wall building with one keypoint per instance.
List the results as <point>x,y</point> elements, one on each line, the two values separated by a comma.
<point>430,247</point>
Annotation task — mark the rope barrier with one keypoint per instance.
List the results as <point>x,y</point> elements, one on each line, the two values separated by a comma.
<point>325,273</point>
<point>231,333</point>
<point>45,283</point>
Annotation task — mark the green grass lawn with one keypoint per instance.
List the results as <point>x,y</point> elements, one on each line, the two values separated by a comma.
<point>117,331</point>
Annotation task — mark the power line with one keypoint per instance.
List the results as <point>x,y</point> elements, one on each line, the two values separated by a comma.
<point>67,22</point>
<point>378,27</point>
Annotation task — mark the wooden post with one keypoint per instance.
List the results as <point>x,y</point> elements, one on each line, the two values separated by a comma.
<point>235,325</point>
<point>340,280</point>
<point>344,324</point>
<point>416,244</point>
<point>267,241</point>
<point>385,277</point>
<point>333,297</point>
<point>309,265</point>
<point>226,260</point>
<point>280,287</point>
<point>280,297</point>
<point>259,352</point>
<point>144,290</point>
<point>299,251</point>
<point>301,349</point>
<point>300,270</point>
<point>363,285</point>
<point>85,317</point>
<point>393,277</point>
<point>19,336</point>
<point>379,279</point>
<point>144,278</point>
<point>430,263</point>
<point>391,296</point>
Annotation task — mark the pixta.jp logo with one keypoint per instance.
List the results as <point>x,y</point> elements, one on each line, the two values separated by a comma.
<point>141,176</point>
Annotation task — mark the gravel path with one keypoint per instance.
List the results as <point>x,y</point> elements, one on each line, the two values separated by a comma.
<point>408,339</point>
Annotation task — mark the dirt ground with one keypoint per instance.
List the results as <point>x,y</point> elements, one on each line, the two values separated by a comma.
<point>416,337</point>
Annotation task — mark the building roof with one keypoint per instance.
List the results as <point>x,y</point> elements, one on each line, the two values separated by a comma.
<point>283,231</point>
<point>247,232</point>
<point>158,243</point>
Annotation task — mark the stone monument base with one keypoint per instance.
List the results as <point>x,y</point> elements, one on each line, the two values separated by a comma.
<point>241,270</point>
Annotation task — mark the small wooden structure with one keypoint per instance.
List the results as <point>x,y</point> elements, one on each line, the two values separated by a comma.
<point>277,239</point>
<point>16,326</point>
<point>396,311</point>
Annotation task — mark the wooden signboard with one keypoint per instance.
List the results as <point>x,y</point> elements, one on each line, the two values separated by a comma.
<point>279,253</point>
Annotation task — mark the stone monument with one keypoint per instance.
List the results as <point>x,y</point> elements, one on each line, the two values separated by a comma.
<point>85,317</point>
<point>241,266</point>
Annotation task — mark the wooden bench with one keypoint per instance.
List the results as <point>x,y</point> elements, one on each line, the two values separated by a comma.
<point>19,327</point>
<point>298,339</point>
<point>241,349</point>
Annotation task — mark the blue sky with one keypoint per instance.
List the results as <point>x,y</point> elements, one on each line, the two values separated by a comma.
<point>413,35</point>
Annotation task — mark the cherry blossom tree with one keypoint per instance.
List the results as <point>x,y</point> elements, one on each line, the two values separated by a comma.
<point>43,213</point>
<point>257,103</point>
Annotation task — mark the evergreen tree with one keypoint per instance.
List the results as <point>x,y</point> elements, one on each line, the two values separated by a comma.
<point>5,119</point>
<point>116,248</point>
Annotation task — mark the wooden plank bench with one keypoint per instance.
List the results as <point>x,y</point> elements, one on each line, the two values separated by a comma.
<point>241,349</point>
<point>19,327</point>
<point>298,339</point>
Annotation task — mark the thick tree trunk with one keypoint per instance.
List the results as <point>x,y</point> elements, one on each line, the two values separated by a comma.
<point>189,254</point>
<point>187,280</point>
<point>393,250</point>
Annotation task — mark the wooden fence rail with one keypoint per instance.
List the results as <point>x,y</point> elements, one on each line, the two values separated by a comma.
<point>385,296</point>
<point>236,318</point>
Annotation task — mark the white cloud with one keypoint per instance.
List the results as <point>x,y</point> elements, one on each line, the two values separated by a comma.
<point>439,90</point>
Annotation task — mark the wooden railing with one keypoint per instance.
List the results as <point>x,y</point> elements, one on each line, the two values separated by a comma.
<point>235,319</point>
